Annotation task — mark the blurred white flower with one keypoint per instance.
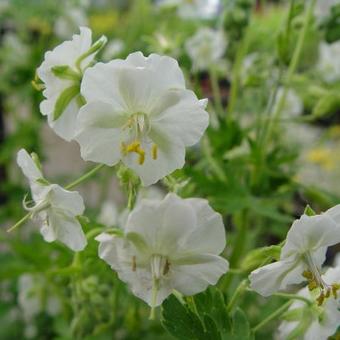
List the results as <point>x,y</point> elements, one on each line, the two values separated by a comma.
<point>61,72</point>
<point>139,111</point>
<point>108,214</point>
<point>35,297</point>
<point>71,19</point>
<point>56,207</point>
<point>206,48</point>
<point>316,322</point>
<point>112,49</point>
<point>329,63</point>
<point>302,255</point>
<point>168,244</point>
<point>293,105</point>
<point>194,9</point>
<point>323,7</point>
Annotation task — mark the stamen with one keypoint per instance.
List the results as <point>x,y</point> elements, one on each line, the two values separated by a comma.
<point>133,147</point>
<point>154,151</point>
<point>166,267</point>
<point>134,264</point>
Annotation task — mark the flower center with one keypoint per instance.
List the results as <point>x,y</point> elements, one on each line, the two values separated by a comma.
<point>139,126</point>
<point>160,266</point>
<point>315,281</point>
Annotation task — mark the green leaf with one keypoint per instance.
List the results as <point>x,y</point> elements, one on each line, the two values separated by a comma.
<point>241,327</point>
<point>309,211</point>
<point>180,321</point>
<point>326,105</point>
<point>64,100</point>
<point>211,331</point>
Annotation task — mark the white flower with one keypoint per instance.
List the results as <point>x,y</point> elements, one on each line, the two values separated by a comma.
<point>32,289</point>
<point>108,214</point>
<point>302,255</point>
<point>168,244</point>
<point>61,72</point>
<point>206,48</point>
<point>194,9</point>
<point>329,66</point>
<point>316,322</point>
<point>113,49</point>
<point>139,111</point>
<point>56,207</point>
<point>293,105</point>
<point>323,7</point>
<point>71,19</point>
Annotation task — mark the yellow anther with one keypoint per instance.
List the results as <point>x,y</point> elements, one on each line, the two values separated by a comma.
<point>134,264</point>
<point>312,285</point>
<point>321,299</point>
<point>154,151</point>
<point>166,267</point>
<point>308,275</point>
<point>335,288</point>
<point>328,293</point>
<point>133,147</point>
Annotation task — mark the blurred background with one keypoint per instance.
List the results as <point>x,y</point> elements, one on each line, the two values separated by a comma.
<point>234,52</point>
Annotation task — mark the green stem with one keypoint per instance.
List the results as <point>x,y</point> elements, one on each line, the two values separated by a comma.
<point>291,70</point>
<point>20,222</point>
<point>238,292</point>
<point>235,84</point>
<point>85,176</point>
<point>272,316</point>
<point>216,92</point>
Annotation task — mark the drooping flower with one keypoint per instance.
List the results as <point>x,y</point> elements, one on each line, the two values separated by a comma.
<point>206,48</point>
<point>314,322</point>
<point>169,244</point>
<point>139,111</point>
<point>54,206</point>
<point>61,73</point>
<point>302,256</point>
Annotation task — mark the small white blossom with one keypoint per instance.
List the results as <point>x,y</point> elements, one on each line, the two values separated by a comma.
<point>194,9</point>
<point>31,289</point>
<point>113,49</point>
<point>302,255</point>
<point>139,111</point>
<point>313,322</point>
<point>54,206</point>
<point>329,64</point>
<point>70,20</point>
<point>293,105</point>
<point>168,244</point>
<point>206,48</point>
<point>61,72</point>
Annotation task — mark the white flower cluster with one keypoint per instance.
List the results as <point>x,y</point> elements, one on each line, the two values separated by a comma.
<point>137,111</point>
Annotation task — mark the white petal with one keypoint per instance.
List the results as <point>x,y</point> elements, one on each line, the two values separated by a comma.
<point>67,229</point>
<point>162,224</point>
<point>193,274</point>
<point>27,165</point>
<point>65,125</point>
<point>184,121</point>
<point>209,234</point>
<point>276,276</point>
<point>33,173</point>
<point>310,233</point>
<point>334,213</point>
<point>100,84</point>
<point>100,133</point>
<point>70,201</point>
